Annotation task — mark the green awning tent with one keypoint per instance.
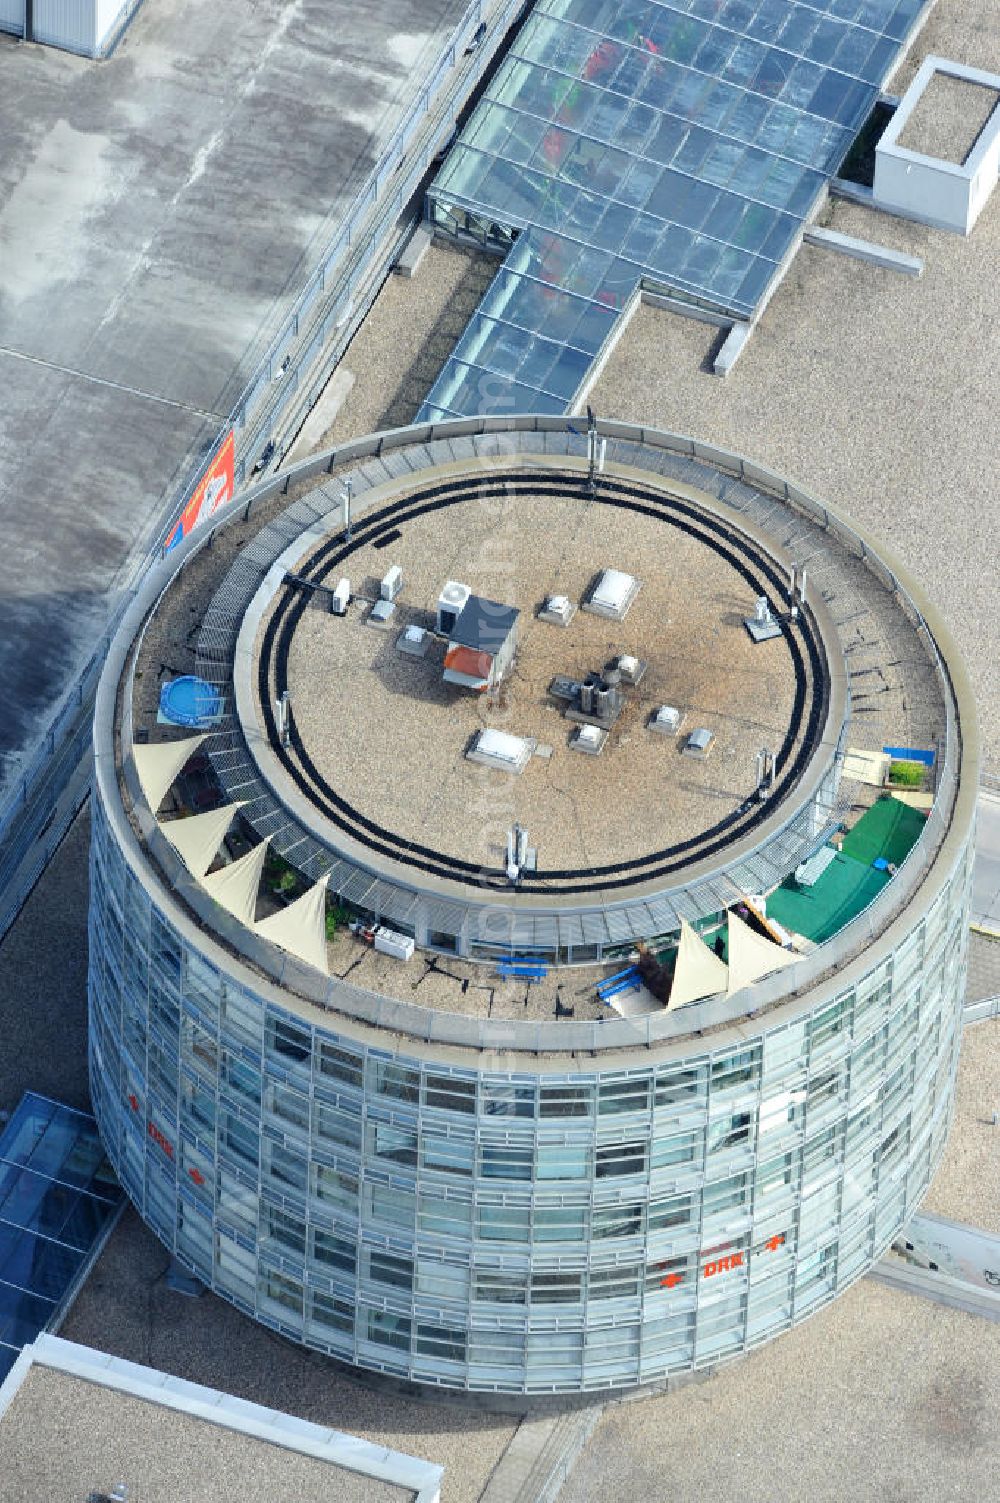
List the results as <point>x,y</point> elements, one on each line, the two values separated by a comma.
<point>845,888</point>
<point>888,829</point>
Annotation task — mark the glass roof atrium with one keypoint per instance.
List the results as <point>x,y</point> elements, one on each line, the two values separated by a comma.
<point>58,1199</point>
<point>624,140</point>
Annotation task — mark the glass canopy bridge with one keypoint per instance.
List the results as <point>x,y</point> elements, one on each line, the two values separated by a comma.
<point>679,146</point>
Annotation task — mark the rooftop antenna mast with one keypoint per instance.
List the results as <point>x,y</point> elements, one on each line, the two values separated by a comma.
<point>284,709</point>
<point>595,452</point>
<point>517,853</point>
<point>765,772</point>
<point>345,497</point>
<point>797,590</point>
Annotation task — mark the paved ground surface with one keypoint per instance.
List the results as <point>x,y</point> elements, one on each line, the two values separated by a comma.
<point>158,212</point>
<point>63,1437</point>
<point>875,390</point>
<point>881,1398</point>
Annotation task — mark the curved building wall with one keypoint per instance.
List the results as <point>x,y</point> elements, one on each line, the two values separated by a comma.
<point>569,1224</point>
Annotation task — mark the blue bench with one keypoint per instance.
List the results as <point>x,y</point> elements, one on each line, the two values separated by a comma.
<point>628,980</point>
<point>525,969</point>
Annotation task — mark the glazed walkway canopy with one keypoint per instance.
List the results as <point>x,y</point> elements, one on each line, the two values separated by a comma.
<point>623,140</point>
<point>58,1200</point>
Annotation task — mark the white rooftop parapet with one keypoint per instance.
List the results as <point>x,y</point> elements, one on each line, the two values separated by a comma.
<point>421,1478</point>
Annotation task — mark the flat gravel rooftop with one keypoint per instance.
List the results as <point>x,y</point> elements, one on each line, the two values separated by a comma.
<point>390,735</point>
<point>880,1396</point>
<point>870,388</point>
<point>158,213</point>
<point>63,1437</point>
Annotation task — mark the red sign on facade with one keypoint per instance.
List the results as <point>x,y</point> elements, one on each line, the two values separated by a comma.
<point>157,1137</point>
<point>723,1262</point>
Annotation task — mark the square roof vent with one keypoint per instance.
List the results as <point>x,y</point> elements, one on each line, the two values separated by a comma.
<point>381,614</point>
<point>559,610</point>
<point>666,720</point>
<point>699,743</point>
<point>612,594</point>
<point>589,739</point>
<point>500,750</point>
<point>413,641</point>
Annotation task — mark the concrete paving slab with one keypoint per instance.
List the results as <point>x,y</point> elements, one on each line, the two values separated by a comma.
<point>158,212</point>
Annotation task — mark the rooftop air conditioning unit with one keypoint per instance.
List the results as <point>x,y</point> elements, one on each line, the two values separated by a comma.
<point>388,942</point>
<point>611,594</point>
<point>501,750</point>
<point>451,604</point>
<point>341,597</point>
<point>699,743</point>
<point>392,583</point>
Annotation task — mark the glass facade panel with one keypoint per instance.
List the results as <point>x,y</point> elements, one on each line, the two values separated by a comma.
<point>58,1198</point>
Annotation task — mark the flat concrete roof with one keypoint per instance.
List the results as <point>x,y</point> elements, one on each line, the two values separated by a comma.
<point>159,211</point>
<point>65,1437</point>
<point>881,1395</point>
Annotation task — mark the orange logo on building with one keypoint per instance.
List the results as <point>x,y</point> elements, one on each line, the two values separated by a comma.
<point>723,1265</point>
<point>213,490</point>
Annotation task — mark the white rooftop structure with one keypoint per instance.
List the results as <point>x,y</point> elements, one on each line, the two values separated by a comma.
<point>501,750</point>
<point>71,1416</point>
<point>612,594</point>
